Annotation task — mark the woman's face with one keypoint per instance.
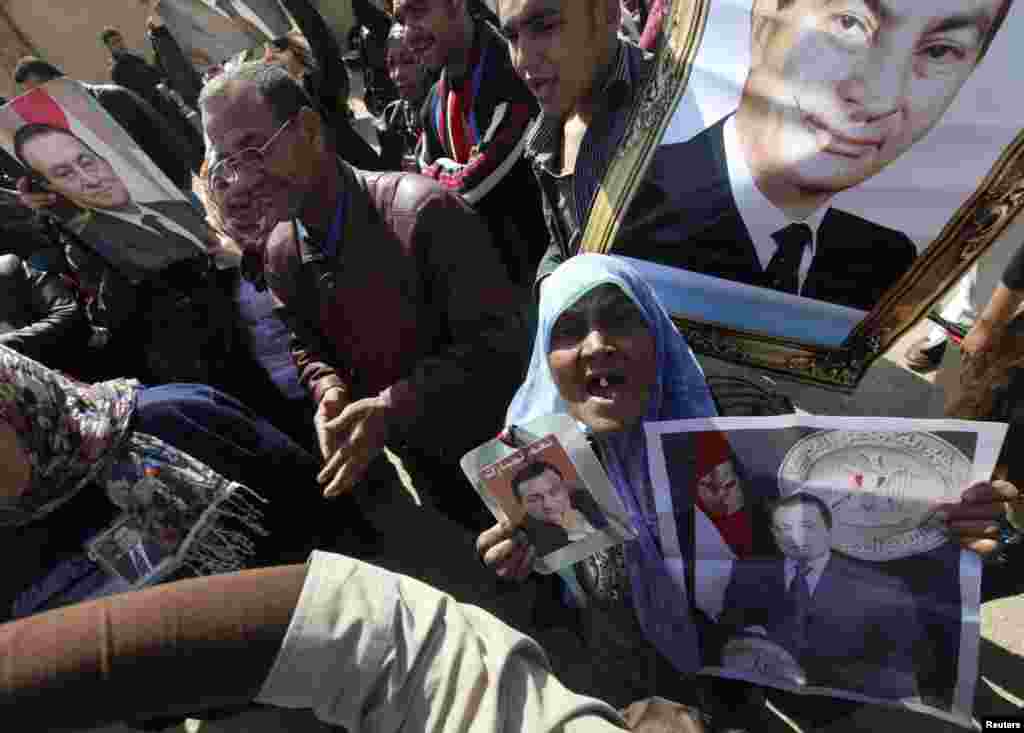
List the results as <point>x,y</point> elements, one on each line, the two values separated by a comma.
<point>604,360</point>
<point>720,492</point>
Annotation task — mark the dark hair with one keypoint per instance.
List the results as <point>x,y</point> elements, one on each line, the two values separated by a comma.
<point>33,130</point>
<point>283,94</point>
<point>32,66</point>
<point>108,33</point>
<point>806,499</point>
<point>997,23</point>
<point>530,472</point>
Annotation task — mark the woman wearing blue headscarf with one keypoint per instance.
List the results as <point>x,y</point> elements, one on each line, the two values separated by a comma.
<point>608,354</point>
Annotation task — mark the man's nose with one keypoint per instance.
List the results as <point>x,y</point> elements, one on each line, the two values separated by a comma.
<point>526,55</point>
<point>876,86</point>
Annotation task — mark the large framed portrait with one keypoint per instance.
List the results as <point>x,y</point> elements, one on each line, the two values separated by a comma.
<point>803,180</point>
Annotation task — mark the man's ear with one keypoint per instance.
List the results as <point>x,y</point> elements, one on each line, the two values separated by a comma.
<point>764,22</point>
<point>311,127</point>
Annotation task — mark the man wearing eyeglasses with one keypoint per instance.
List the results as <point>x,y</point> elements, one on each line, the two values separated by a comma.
<point>405,328</point>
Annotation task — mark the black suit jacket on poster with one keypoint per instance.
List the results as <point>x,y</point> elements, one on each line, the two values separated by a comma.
<point>102,231</point>
<point>684,215</point>
<point>862,629</point>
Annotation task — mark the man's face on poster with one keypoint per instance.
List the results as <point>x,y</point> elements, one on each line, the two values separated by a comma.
<point>842,88</point>
<point>801,532</point>
<point>75,171</point>
<point>546,497</point>
<point>720,491</point>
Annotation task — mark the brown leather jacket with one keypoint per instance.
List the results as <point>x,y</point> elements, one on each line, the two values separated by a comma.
<point>414,304</point>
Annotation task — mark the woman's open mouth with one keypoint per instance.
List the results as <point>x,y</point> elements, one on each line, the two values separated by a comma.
<point>606,385</point>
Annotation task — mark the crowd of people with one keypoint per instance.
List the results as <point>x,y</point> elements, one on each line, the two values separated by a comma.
<point>222,400</point>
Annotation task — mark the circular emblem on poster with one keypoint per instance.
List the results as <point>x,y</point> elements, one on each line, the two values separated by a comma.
<point>880,486</point>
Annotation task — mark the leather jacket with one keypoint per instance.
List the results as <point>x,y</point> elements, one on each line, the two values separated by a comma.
<point>414,305</point>
<point>40,316</point>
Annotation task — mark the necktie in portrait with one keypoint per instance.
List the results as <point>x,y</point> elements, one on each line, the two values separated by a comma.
<point>784,268</point>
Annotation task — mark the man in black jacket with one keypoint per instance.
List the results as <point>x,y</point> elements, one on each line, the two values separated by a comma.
<point>475,124</point>
<point>39,315</point>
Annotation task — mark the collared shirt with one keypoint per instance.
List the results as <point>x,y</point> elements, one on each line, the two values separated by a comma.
<point>761,217</point>
<point>813,575</point>
<point>617,91</point>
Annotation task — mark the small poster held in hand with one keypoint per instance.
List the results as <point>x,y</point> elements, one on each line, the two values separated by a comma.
<point>544,479</point>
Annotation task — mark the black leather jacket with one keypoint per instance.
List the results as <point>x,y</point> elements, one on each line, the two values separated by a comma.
<point>40,316</point>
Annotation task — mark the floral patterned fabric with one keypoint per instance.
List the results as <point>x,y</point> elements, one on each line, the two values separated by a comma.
<point>69,431</point>
<point>75,434</point>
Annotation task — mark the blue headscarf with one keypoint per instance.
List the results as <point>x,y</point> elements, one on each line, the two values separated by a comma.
<point>680,392</point>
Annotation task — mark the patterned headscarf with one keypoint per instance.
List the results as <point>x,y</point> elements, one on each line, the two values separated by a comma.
<point>69,431</point>
<point>680,392</point>
<point>75,434</point>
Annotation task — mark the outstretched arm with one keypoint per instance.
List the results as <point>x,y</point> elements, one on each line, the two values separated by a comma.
<point>362,647</point>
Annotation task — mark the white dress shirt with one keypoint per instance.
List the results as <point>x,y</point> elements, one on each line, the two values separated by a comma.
<point>761,217</point>
<point>817,567</point>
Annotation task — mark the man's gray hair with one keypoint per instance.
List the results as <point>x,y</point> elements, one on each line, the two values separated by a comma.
<point>283,94</point>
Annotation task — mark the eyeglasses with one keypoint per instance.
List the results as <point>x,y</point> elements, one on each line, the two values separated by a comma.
<point>225,173</point>
<point>279,44</point>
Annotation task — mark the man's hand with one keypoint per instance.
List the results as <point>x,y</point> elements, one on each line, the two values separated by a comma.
<point>975,520</point>
<point>352,440</point>
<point>504,551</point>
<point>981,338</point>
<point>658,715</point>
<point>331,406</point>
<point>35,200</point>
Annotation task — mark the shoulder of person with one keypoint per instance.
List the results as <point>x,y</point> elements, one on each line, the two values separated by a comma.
<point>399,194</point>
<point>861,230</point>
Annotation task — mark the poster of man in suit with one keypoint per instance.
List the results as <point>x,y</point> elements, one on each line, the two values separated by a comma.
<point>861,594</point>
<point>141,255</point>
<point>752,179</point>
<point>113,197</point>
<point>547,488</point>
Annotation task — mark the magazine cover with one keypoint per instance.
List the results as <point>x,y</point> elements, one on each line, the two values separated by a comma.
<point>818,563</point>
<point>544,479</point>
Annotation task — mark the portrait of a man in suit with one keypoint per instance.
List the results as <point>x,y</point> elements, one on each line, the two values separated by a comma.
<point>134,237</point>
<point>558,512</point>
<point>835,92</point>
<point>848,625</point>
